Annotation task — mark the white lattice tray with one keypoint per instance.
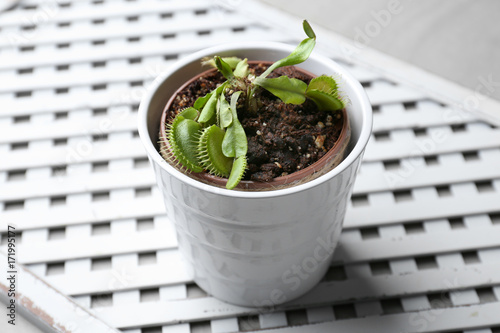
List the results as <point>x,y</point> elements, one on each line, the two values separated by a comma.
<point>420,251</point>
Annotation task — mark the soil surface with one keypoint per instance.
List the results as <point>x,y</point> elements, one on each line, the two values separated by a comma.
<point>282,138</point>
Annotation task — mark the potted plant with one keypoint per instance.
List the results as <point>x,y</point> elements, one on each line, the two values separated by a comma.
<point>245,118</point>
<point>253,248</point>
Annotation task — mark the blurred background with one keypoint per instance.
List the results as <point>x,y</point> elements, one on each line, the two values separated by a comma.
<point>455,39</point>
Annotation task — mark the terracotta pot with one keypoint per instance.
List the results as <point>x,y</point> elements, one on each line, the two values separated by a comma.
<point>256,248</point>
<point>330,160</point>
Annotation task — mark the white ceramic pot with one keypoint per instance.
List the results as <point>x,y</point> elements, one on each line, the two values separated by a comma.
<point>256,248</point>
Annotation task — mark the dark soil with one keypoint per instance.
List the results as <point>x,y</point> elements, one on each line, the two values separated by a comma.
<point>282,138</point>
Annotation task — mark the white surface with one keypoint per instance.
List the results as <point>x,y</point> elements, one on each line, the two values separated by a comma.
<point>400,251</point>
<point>28,296</point>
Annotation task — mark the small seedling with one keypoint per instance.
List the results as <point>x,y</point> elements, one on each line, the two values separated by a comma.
<point>208,135</point>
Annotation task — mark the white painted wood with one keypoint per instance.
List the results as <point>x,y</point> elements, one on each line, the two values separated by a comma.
<point>224,325</point>
<point>61,315</point>
<point>349,250</point>
<point>403,266</point>
<point>320,314</point>
<point>111,9</point>
<point>415,174</point>
<point>460,141</point>
<point>422,321</point>
<point>91,213</point>
<point>98,245</point>
<point>458,205</point>
<point>370,308</point>
<point>415,303</point>
<point>174,292</point>
<point>58,156</point>
<point>120,242</point>
<point>52,57</point>
<point>449,260</point>
<point>489,255</point>
<point>479,331</point>
<point>181,328</point>
<point>120,29</point>
<point>349,253</point>
<point>90,182</point>
<point>70,128</point>
<point>437,226</point>
<point>126,297</point>
<point>429,280</point>
<point>412,244</point>
<point>464,297</point>
<point>162,312</point>
<point>270,320</point>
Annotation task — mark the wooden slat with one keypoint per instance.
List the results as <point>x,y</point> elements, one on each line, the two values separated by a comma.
<point>389,94</point>
<point>88,53</point>
<point>63,186</point>
<point>83,11</point>
<point>29,298</point>
<point>120,29</point>
<point>56,156</point>
<point>140,277</point>
<point>348,252</point>
<point>429,209</point>
<point>125,121</point>
<point>92,213</point>
<point>411,147</point>
<point>146,241</point>
<point>122,121</point>
<point>358,217</point>
<point>415,177</point>
<point>161,313</point>
<point>421,176</point>
<point>423,118</point>
<point>435,320</point>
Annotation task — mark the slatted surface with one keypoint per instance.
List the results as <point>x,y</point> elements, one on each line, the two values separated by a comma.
<point>420,251</point>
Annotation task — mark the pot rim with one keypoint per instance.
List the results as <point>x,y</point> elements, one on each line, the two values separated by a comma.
<point>292,179</point>
<point>347,79</point>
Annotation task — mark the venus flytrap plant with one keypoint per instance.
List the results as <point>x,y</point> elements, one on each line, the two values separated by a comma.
<point>208,136</point>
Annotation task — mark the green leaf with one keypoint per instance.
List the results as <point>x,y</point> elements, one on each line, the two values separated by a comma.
<point>210,152</point>
<point>289,90</point>
<point>209,110</point>
<point>308,30</point>
<point>224,68</point>
<point>225,115</point>
<point>182,138</point>
<point>234,102</point>
<point>237,172</point>
<point>324,101</point>
<point>189,113</point>
<point>323,83</point>
<point>235,141</point>
<point>201,101</point>
<point>241,69</point>
<point>323,91</point>
<point>231,61</point>
<point>299,55</point>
